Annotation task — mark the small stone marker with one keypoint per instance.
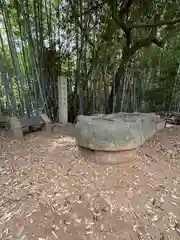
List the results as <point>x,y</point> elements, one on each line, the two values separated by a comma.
<point>47,123</point>
<point>161,124</point>
<point>25,125</point>
<point>1,117</point>
<point>30,124</point>
<point>2,120</point>
<point>63,102</point>
<point>15,128</point>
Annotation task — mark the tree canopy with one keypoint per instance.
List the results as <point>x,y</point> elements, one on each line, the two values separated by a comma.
<point>119,55</point>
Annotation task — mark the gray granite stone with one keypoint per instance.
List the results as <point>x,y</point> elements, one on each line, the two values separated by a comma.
<point>114,132</point>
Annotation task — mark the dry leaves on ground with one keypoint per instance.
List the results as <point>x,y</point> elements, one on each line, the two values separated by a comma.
<point>49,191</point>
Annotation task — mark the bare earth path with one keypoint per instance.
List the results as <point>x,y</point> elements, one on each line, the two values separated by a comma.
<point>48,191</point>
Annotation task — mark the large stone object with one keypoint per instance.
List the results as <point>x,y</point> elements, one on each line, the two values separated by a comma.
<point>47,123</point>
<point>116,132</point>
<point>15,128</point>
<point>1,117</point>
<point>107,157</point>
<point>28,124</point>
<point>2,120</point>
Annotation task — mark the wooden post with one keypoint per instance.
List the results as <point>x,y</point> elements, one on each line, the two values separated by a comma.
<point>63,99</point>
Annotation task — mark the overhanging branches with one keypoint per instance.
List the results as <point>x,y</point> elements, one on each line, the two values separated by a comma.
<point>156,24</point>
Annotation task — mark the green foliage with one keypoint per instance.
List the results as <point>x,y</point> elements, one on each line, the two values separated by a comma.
<point>99,44</point>
<point>164,83</point>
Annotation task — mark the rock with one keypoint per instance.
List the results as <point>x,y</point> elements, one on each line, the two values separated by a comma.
<point>15,128</point>
<point>115,132</point>
<point>32,123</point>
<point>2,120</point>
<point>161,123</point>
<point>29,124</point>
<point>107,157</point>
<point>47,123</point>
<point>1,117</point>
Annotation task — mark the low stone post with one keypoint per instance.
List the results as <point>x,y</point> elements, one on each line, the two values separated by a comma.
<point>63,99</point>
<point>1,118</point>
<point>15,128</point>
<point>47,123</point>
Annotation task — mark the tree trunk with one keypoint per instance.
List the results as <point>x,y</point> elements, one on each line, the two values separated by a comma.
<point>119,82</point>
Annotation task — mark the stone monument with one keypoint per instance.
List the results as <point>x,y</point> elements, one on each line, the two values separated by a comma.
<point>2,120</point>
<point>63,99</point>
<point>114,138</point>
<point>19,127</point>
<point>116,132</point>
<point>1,117</point>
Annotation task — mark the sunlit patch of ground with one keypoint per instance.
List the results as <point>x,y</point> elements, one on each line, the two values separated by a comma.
<point>48,191</point>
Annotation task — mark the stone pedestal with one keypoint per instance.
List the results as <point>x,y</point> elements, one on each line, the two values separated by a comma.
<point>115,132</point>
<point>2,120</point>
<point>47,123</point>
<point>63,100</point>
<point>15,128</point>
<point>1,117</point>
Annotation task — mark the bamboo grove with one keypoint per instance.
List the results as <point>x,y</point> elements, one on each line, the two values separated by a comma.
<point>118,55</point>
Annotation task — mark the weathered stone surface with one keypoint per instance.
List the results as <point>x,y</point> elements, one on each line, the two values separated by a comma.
<point>107,157</point>
<point>28,124</point>
<point>47,122</point>
<point>33,123</point>
<point>15,128</point>
<point>115,132</point>
<point>63,99</point>
<point>2,120</point>
<point>1,117</point>
<point>160,123</point>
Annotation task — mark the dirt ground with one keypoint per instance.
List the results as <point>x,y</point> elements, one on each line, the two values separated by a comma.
<point>48,191</point>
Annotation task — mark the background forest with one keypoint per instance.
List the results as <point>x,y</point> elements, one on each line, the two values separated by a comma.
<point>118,55</point>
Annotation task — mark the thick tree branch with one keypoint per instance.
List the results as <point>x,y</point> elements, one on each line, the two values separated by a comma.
<point>148,40</point>
<point>159,43</point>
<point>113,5</point>
<point>94,8</point>
<point>118,19</point>
<point>126,30</point>
<point>125,8</point>
<point>156,24</point>
<point>80,26</point>
<point>143,43</point>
